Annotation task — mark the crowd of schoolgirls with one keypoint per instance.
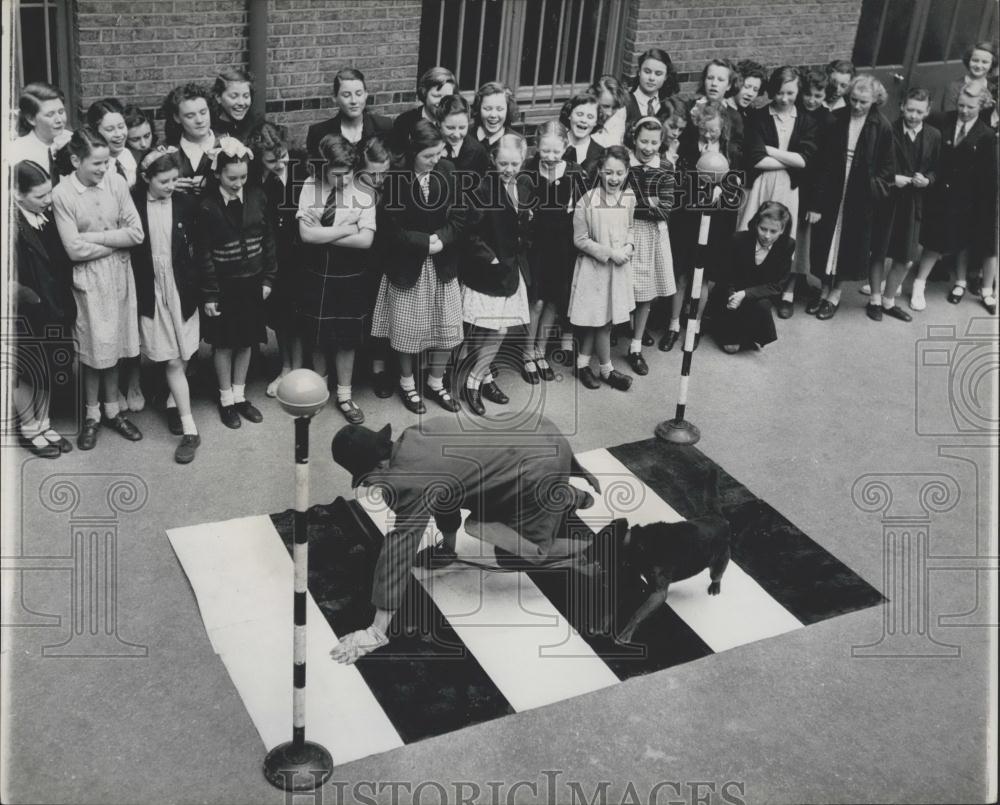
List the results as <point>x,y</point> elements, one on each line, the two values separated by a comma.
<point>427,242</point>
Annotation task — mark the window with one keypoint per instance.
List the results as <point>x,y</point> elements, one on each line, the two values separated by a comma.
<point>546,50</point>
<point>42,46</point>
<point>884,32</point>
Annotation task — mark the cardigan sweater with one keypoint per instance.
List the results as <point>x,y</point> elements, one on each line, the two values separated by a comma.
<point>182,240</point>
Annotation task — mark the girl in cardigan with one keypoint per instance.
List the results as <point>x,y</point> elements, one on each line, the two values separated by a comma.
<point>353,121</point>
<point>188,125</point>
<point>273,169</point>
<point>558,185</point>
<point>653,262</point>
<point>42,299</point>
<point>232,107</point>
<point>495,273</point>
<point>602,294</point>
<point>337,226</point>
<point>167,287</point>
<point>855,170</point>
<point>760,261</point>
<point>419,304</point>
<point>235,248</point>
<point>98,224</point>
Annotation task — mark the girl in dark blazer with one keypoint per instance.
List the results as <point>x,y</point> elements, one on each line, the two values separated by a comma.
<point>759,263</point>
<point>353,121</point>
<point>951,205</point>
<point>435,84</point>
<point>495,273</point>
<point>419,304</point>
<point>494,110</point>
<point>43,305</point>
<point>582,115</point>
<point>232,112</point>
<point>187,113</point>
<point>917,148</point>
<point>709,131</point>
<point>855,171</point>
<point>167,286</point>
<point>469,157</point>
<point>654,82</point>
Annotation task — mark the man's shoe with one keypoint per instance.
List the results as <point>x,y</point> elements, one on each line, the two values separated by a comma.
<point>230,418</point>
<point>87,439</point>
<point>184,454</point>
<point>120,425</point>
<point>638,363</point>
<point>492,392</point>
<point>249,412</point>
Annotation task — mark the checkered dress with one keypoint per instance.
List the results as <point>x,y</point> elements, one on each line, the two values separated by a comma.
<point>652,263</point>
<point>426,316</point>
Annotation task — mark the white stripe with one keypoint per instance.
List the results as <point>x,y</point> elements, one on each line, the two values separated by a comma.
<point>300,559</point>
<point>299,642</point>
<point>682,392</point>
<point>742,613</point>
<point>242,578</point>
<point>302,486</point>
<point>527,647</point>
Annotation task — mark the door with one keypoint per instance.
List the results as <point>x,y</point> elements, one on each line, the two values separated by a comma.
<point>920,43</point>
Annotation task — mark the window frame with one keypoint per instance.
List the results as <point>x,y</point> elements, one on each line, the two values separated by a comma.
<point>61,60</point>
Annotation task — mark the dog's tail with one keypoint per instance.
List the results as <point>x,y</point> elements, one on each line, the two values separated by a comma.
<point>712,491</point>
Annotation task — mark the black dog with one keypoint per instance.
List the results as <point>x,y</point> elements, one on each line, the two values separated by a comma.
<point>658,554</point>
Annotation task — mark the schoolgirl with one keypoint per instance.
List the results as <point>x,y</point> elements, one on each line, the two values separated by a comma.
<point>188,125</point>
<point>140,138</point>
<point>750,78</point>
<point>494,110</point>
<point>839,75</point>
<point>232,104</point>
<point>41,126</point>
<point>979,60</point>
<point>582,115</point>
<point>654,82</point>
<point>462,149</point>
<point>353,121</point>
<point>432,86</point>
<point>613,98</point>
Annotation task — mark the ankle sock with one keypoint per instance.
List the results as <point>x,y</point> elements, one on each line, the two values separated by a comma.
<point>343,393</point>
<point>226,397</point>
<point>675,325</point>
<point>93,412</point>
<point>436,383</point>
<point>834,297</point>
<point>876,299</point>
<point>407,383</point>
<point>607,369</point>
<point>788,296</point>
<point>636,345</point>
<point>582,361</point>
<point>187,422</point>
<point>239,393</point>
<point>111,409</point>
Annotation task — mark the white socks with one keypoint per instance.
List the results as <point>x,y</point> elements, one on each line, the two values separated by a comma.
<point>111,410</point>
<point>407,383</point>
<point>343,393</point>
<point>607,369</point>
<point>582,361</point>
<point>226,397</point>
<point>788,296</point>
<point>675,325</point>
<point>93,412</point>
<point>834,296</point>
<point>239,393</point>
<point>636,345</point>
<point>187,422</point>
<point>436,383</point>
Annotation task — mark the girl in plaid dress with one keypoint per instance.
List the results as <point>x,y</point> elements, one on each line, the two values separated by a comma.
<point>419,304</point>
<point>337,225</point>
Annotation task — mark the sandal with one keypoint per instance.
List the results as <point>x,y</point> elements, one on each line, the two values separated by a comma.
<point>352,413</point>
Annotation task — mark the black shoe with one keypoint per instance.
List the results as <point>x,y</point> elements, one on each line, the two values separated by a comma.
<point>647,339</point>
<point>120,425</point>
<point>955,294</point>
<point>184,454</point>
<point>897,312</point>
<point>731,349</point>
<point>411,399</point>
<point>174,422</point>
<point>63,445</point>
<point>351,411</point>
<point>230,418</point>
<point>814,304</point>
<point>873,312</point>
<point>990,303</point>
<point>88,435</point>
<point>588,378</point>
<point>474,400</point>
<point>47,450</point>
<point>443,398</point>
<point>383,385</point>
<point>435,557</point>
<point>619,380</point>
<point>492,392</point>
<point>826,310</point>
<point>545,372</point>
<point>786,309</point>
<point>529,373</point>
<point>638,363</point>
<point>249,412</point>
<point>669,339</point>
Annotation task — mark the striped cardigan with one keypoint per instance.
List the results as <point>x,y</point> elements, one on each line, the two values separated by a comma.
<point>227,251</point>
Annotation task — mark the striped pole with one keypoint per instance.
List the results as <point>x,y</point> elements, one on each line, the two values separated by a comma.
<point>300,765</point>
<point>678,430</point>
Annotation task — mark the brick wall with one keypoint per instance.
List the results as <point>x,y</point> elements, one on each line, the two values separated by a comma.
<point>139,51</point>
<point>773,33</point>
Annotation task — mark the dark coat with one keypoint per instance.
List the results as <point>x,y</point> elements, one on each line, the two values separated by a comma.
<point>897,234</point>
<point>873,172</point>
<point>760,132</point>
<point>406,223</point>
<point>240,130</point>
<point>182,252</point>
<point>986,235</point>
<point>42,265</point>
<point>951,205</point>
<point>473,157</point>
<point>498,232</point>
<point>594,153</point>
<point>491,148</point>
<point>399,135</point>
<point>203,170</point>
<point>371,125</point>
<point>821,117</point>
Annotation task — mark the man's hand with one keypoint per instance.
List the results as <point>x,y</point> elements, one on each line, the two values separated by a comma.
<point>357,644</point>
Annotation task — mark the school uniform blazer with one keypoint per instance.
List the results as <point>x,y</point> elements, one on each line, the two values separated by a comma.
<point>182,252</point>
<point>761,131</point>
<point>406,223</point>
<point>594,152</point>
<point>473,157</point>
<point>648,182</point>
<point>399,135</point>
<point>498,232</point>
<point>926,163</point>
<point>758,281</point>
<point>241,129</point>
<point>371,125</point>
<point>41,264</point>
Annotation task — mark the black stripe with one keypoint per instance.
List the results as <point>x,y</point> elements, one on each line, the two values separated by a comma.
<point>298,735</point>
<point>300,609</point>
<point>425,679</point>
<point>299,675</point>
<point>302,440</point>
<point>679,413</point>
<point>798,573</point>
<point>300,527</point>
<point>686,364</point>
